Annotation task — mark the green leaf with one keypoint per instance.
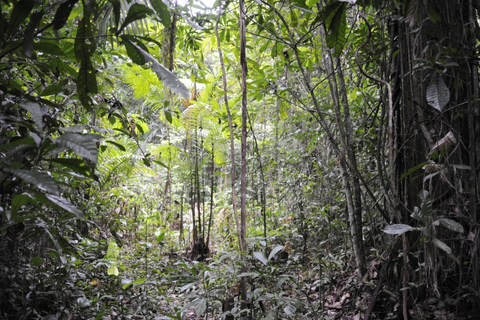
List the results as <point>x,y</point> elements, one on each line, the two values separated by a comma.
<point>112,270</point>
<point>39,179</point>
<point>17,146</point>
<point>412,170</point>
<point>289,310</point>
<point>113,251</point>
<point>200,306</point>
<point>137,11</point>
<point>65,204</point>
<point>438,94</point>
<point>441,245</point>
<point>398,229</point>
<point>336,27</point>
<point>52,90</point>
<point>165,75</point>
<point>62,14</point>
<point>261,257</point>
<point>451,224</point>
<point>146,162</point>
<point>160,163</point>
<point>116,10</point>
<point>161,237</point>
<point>162,12</point>
<point>35,111</point>
<point>116,144</point>
<point>132,51</point>
<point>20,12</point>
<point>138,281</point>
<point>84,49</point>
<point>139,128</point>
<point>327,12</point>
<point>36,138</point>
<point>18,202</point>
<point>77,165</point>
<point>48,48</point>
<point>84,145</point>
<point>275,251</point>
<point>86,82</point>
<point>36,261</point>
<point>168,116</point>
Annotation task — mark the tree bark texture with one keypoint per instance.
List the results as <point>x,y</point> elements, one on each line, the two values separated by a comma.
<point>436,40</point>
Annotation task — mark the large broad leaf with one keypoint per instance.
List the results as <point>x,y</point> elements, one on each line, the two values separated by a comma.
<point>200,306</point>
<point>39,179</point>
<point>438,94</point>
<point>52,90</point>
<point>138,281</point>
<point>77,165</point>
<point>116,10</point>
<point>289,310</point>
<point>336,26</point>
<point>398,229</point>
<point>62,14</point>
<point>65,204</point>
<point>36,112</point>
<point>452,225</point>
<point>162,12</point>
<point>112,270</point>
<point>86,82</point>
<point>261,257</point>
<point>275,251</point>
<point>116,144</point>
<point>18,202</point>
<point>165,75</point>
<point>84,145</point>
<point>441,245</point>
<point>84,49</point>
<point>113,252</point>
<point>20,12</point>
<point>137,11</point>
<point>136,56</point>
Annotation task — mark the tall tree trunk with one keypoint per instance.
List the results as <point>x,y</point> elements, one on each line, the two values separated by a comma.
<point>443,137</point>
<point>230,127</point>
<point>351,183</point>
<point>212,175</point>
<point>342,154</point>
<point>356,231</point>
<point>243,173</point>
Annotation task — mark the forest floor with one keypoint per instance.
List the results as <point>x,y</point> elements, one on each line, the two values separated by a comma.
<point>144,280</point>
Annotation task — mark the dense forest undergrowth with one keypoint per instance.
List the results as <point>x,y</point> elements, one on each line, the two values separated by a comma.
<point>239,160</point>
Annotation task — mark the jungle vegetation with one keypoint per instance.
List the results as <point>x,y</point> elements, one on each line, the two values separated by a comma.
<point>251,159</point>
